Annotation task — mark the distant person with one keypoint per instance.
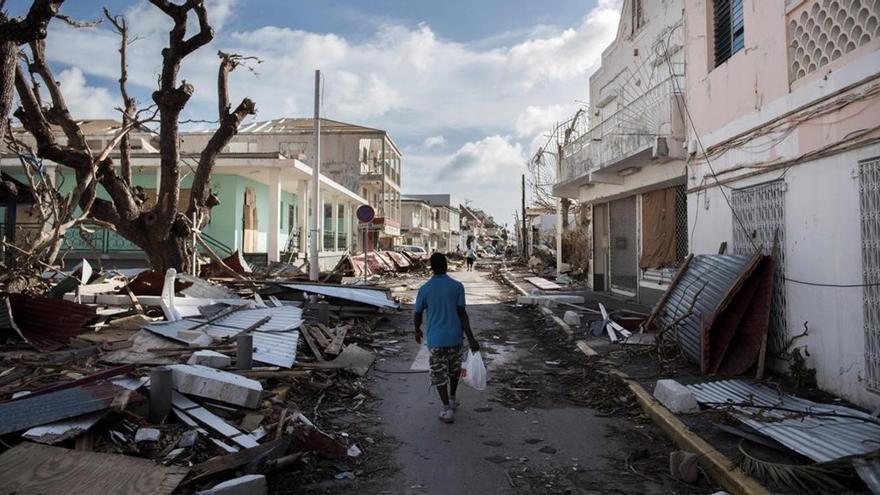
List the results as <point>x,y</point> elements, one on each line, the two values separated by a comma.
<point>471,257</point>
<point>442,297</point>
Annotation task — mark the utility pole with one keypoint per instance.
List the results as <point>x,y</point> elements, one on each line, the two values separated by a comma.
<point>559,219</point>
<point>314,267</point>
<point>525,232</point>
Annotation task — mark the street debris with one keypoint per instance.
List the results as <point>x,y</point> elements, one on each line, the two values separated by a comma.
<point>233,398</point>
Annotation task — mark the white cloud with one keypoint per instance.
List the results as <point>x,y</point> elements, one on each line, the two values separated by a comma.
<point>434,142</point>
<point>405,79</point>
<point>536,120</point>
<point>84,101</point>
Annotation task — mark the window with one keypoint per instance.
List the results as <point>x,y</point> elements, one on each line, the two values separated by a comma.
<point>729,29</point>
<point>637,20</point>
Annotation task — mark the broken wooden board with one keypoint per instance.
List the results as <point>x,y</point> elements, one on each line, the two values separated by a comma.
<point>335,346</point>
<point>31,468</point>
<point>543,283</point>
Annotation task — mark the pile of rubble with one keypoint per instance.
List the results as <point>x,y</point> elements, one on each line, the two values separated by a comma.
<point>173,383</point>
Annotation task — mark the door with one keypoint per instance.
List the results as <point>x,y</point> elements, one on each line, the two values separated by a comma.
<point>249,221</point>
<point>600,247</point>
<point>624,242</point>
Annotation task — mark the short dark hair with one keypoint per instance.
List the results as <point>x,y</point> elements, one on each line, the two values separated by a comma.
<point>438,263</point>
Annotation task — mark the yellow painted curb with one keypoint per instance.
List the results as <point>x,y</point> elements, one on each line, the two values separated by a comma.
<point>587,350</point>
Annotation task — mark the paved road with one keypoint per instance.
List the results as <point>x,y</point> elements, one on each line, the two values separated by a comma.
<point>492,448</point>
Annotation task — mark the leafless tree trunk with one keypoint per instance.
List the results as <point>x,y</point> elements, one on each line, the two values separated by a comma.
<point>162,231</point>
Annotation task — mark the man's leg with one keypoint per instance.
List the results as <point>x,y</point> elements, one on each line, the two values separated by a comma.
<point>454,374</point>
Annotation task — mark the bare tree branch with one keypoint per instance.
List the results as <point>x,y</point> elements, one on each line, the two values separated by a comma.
<point>130,109</point>
<point>78,23</point>
<point>201,198</point>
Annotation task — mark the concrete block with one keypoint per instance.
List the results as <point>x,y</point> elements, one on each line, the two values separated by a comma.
<point>683,466</point>
<point>211,359</point>
<point>676,397</point>
<point>572,318</point>
<point>252,484</point>
<point>222,386</point>
<point>147,435</point>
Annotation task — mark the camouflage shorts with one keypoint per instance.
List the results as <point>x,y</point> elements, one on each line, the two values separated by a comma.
<point>445,364</point>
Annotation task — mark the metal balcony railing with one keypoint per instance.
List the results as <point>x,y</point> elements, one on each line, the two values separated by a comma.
<point>633,128</point>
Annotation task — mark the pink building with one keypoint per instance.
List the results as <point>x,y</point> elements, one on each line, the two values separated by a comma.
<point>784,137</point>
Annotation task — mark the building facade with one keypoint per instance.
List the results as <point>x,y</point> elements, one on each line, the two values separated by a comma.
<point>446,229</point>
<point>784,99</point>
<point>364,160</point>
<point>624,156</point>
<point>416,222</point>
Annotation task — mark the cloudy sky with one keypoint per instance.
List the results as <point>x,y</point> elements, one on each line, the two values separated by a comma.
<point>466,88</point>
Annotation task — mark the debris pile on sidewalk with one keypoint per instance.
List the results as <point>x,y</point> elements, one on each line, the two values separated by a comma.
<point>174,383</point>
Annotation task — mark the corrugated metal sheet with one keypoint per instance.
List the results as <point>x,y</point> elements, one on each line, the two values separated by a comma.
<point>204,289</point>
<point>821,438</point>
<point>44,409</point>
<point>48,324</point>
<point>715,275</point>
<point>372,297</point>
<point>275,341</point>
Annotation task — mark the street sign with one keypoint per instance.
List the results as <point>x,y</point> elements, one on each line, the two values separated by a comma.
<point>365,213</point>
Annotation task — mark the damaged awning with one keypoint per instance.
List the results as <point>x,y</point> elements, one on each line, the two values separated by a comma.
<point>47,324</point>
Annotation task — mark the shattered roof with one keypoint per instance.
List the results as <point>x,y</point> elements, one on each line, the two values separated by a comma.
<point>48,324</point>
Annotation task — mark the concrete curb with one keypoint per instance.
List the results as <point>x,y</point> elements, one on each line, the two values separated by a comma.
<point>719,467</point>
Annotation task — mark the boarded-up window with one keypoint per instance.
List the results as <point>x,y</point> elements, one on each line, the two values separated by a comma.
<point>658,229</point>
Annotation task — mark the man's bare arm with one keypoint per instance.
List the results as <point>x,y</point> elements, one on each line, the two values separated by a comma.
<point>466,327</point>
<point>418,323</point>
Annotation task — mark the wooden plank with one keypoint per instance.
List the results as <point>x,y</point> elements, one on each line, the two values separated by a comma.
<point>543,283</point>
<point>306,333</point>
<point>319,337</point>
<point>31,468</point>
<point>335,346</point>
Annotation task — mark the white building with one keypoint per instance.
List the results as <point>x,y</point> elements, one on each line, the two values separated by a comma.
<point>628,164</point>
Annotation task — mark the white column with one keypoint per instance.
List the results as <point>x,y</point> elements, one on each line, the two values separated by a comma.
<point>303,198</point>
<point>273,247</point>
<point>334,224</point>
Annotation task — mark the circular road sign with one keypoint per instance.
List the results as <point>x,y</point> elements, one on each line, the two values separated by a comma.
<point>365,213</point>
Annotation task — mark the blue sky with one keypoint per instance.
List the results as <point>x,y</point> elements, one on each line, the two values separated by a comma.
<point>466,88</point>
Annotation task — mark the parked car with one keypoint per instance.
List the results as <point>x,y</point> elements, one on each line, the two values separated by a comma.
<point>416,251</point>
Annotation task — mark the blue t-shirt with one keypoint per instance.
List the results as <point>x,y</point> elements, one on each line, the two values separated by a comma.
<point>440,297</point>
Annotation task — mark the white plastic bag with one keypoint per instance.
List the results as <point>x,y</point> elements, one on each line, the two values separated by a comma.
<point>473,371</point>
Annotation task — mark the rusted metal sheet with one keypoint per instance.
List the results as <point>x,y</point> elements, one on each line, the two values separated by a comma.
<point>48,324</point>
<point>93,378</point>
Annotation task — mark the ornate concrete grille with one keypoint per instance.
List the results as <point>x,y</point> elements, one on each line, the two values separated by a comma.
<point>824,30</point>
<point>869,197</point>
<point>761,209</point>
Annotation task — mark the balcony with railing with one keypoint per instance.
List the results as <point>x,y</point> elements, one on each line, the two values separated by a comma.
<point>647,127</point>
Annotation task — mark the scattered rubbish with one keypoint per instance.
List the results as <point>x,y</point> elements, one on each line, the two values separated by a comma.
<point>147,435</point>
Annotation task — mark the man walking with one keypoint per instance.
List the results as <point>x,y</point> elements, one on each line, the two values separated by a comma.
<point>471,256</point>
<point>442,297</point>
